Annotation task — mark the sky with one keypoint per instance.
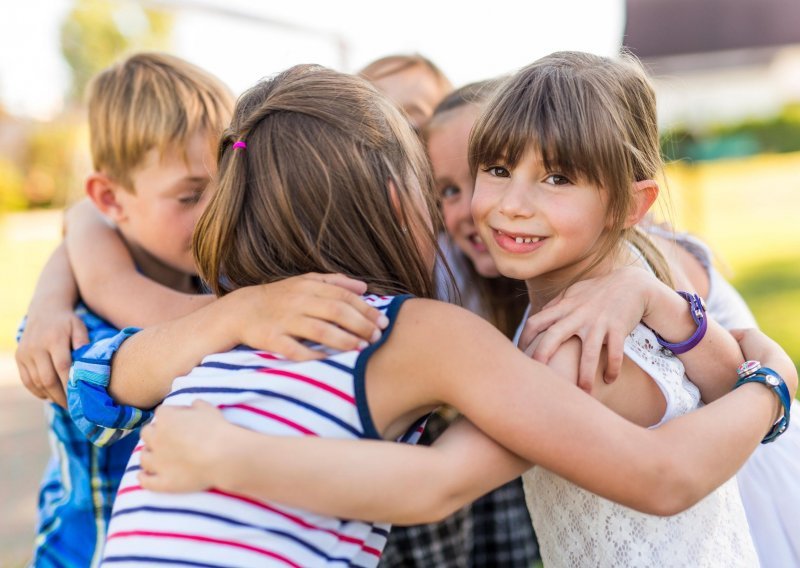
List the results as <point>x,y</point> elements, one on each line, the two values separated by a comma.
<point>244,40</point>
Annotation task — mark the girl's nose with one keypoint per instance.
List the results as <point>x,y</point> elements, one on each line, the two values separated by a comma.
<point>517,201</point>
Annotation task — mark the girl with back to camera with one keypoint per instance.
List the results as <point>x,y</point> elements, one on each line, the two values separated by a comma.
<point>361,205</point>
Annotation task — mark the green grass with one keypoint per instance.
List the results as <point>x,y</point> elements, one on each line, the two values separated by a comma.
<point>26,241</point>
<point>772,291</point>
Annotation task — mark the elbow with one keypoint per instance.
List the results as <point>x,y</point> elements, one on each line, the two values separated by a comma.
<point>428,508</point>
<point>433,501</point>
<point>674,490</point>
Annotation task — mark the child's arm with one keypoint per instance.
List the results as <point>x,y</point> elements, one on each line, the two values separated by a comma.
<point>661,471</point>
<point>50,331</point>
<point>602,311</point>
<point>272,317</point>
<point>146,364</point>
<point>413,485</point>
<point>108,280</point>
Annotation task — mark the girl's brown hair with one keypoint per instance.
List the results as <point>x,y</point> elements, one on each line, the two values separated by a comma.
<point>391,64</point>
<point>587,117</point>
<point>502,299</point>
<point>333,179</point>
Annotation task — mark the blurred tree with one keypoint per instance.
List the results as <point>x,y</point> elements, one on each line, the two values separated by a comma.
<point>97,32</point>
<point>11,186</point>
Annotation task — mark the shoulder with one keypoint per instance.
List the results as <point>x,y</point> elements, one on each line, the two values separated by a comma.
<point>687,269</point>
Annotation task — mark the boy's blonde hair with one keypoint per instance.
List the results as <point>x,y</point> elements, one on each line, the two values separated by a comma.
<point>151,100</point>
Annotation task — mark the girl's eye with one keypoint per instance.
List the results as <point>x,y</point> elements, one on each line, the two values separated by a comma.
<point>497,171</point>
<point>190,199</point>
<point>449,192</point>
<point>557,179</point>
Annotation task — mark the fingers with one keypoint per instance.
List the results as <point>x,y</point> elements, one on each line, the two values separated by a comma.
<point>615,355</point>
<point>551,339</point>
<point>293,350</point>
<point>344,318</point>
<point>537,324</point>
<point>80,336</point>
<point>148,479</point>
<point>351,284</point>
<point>591,348</point>
<point>61,361</point>
<point>48,380</point>
<point>28,382</point>
<point>327,286</point>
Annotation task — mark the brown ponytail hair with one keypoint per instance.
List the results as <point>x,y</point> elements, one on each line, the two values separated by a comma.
<point>332,179</point>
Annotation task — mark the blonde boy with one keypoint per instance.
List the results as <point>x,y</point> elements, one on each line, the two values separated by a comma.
<point>154,121</point>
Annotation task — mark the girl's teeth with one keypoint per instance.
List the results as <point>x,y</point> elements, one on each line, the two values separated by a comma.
<point>521,240</point>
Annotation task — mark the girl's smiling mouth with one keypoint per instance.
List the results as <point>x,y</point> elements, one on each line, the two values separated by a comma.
<point>518,243</point>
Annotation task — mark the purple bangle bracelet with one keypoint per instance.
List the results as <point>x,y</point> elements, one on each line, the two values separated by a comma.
<point>698,310</point>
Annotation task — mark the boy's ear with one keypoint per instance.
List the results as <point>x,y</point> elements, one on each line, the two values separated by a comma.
<point>645,193</point>
<point>103,192</point>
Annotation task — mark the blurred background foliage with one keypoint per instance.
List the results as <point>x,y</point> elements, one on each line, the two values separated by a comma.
<point>42,163</point>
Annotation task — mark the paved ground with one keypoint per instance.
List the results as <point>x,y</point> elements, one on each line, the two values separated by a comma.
<point>23,454</point>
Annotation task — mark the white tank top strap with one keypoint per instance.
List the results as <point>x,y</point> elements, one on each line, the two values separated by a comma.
<point>640,257</point>
<point>666,370</point>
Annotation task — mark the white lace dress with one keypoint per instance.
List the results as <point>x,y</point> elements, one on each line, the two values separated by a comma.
<point>577,528</point>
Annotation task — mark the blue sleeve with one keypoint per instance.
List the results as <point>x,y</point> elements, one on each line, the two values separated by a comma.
<point>94,412</point>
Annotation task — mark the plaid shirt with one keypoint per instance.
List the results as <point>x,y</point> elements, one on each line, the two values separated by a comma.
<point>495,531</point>
<point>80,481</point>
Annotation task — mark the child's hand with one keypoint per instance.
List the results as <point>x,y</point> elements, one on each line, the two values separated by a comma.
<point>600,312</point>
<point>44,353</point>
<point>757,346</point>
<point>324,308</point>
<point>182,448</point>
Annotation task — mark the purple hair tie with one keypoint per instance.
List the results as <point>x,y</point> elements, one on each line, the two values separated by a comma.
<point>239,144</point>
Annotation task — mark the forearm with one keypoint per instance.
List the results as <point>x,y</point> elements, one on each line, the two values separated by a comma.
<point>731,428</point>
<point>109,282</point>
<point>56,285</point>
<point>146,364</point>
<point>133,300</point>
<point>364,479</point>
<point>710,364</point>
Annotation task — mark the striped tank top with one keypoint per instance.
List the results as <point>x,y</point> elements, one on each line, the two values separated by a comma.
<point>265,393</point>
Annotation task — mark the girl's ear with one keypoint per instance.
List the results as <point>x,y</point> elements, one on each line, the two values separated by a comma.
<point>645,193</point>
<point>104,194</point>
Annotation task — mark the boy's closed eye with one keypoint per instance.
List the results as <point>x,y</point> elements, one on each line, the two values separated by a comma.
<point>191,198</point>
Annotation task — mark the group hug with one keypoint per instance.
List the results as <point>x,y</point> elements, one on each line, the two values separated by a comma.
<point>280,324</point>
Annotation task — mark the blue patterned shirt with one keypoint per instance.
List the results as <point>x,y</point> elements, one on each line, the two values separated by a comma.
<point>81,479</point>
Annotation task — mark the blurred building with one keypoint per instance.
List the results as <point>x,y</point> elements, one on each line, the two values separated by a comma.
<point>717,60</point>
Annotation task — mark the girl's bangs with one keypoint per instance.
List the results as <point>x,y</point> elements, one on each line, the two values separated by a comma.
<point>555,128</point>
